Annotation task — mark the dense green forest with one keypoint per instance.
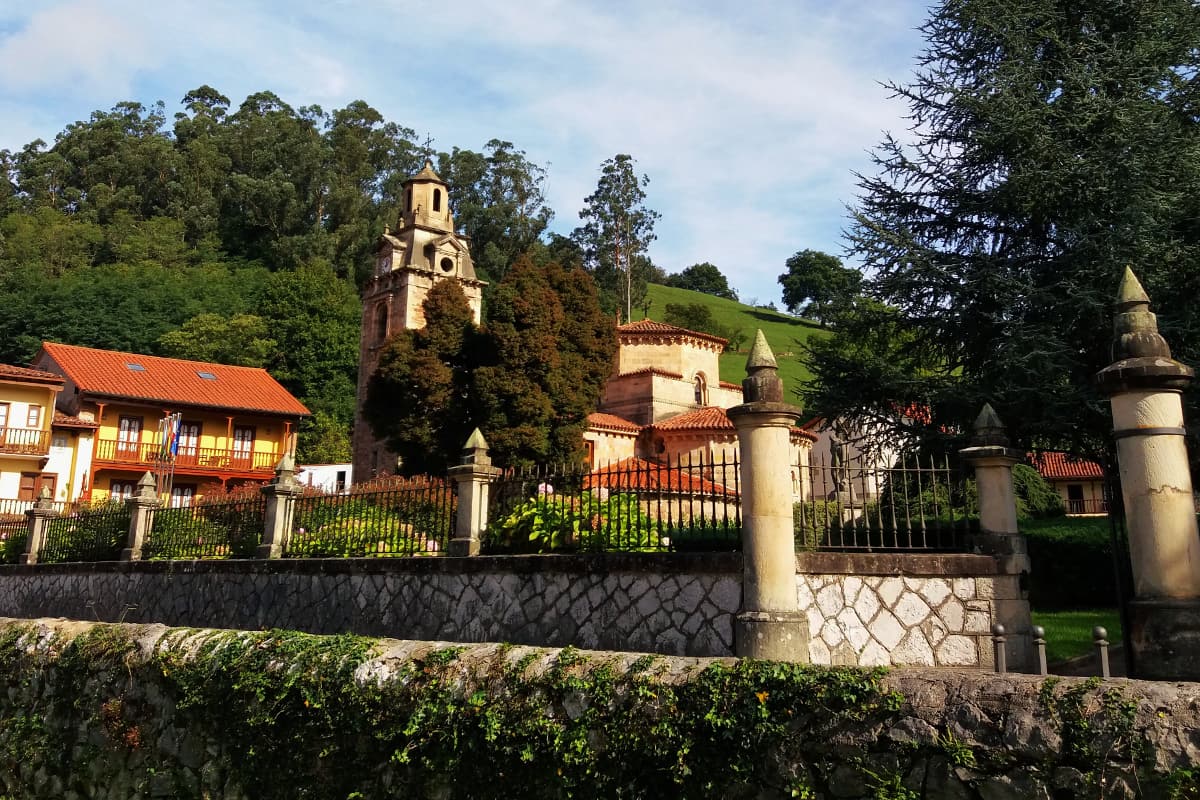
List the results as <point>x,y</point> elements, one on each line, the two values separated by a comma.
<point>233,234</point>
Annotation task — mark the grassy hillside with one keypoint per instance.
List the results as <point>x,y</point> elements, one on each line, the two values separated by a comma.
<point>783,332</point>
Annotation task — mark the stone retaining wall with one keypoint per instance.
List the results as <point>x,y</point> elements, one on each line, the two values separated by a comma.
<point>95,711</point>
<point>862,609</point>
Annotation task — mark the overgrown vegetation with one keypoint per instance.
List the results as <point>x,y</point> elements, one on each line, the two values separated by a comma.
<point>1072,562</point>
<point>275,714</point>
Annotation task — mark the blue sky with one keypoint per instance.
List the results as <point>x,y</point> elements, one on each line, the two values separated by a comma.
<point>749,117</point>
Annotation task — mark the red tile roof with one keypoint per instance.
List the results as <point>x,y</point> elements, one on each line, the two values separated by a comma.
<point>1060,466</point>
<point>61,420</point>
<point>804,433</point>
<point>612,422</point>
<point>107,373</point>
<point>709,418</point>
<point>649,326</point>
<point>666,373</point>
<point>640,474</point>
<point>26,375</point>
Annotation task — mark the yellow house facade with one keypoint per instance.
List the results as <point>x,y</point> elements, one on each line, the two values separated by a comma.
<point>27,398</point>
<point>198,427</point>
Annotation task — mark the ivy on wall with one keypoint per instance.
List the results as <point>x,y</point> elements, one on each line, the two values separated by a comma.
<point>286,715</point>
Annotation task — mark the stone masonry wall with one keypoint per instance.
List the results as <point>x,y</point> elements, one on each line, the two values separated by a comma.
<point>119,711</point>
<point>918,610</point>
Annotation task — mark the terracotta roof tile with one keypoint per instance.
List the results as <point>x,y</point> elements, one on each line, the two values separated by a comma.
<point>640,474</point>
<point>9,372</point>
<point>649,326</point>
<point>107,373</point>
<point>62,420</point>
<point>737,387</point>
<point>666,373</point>
<point>1054,465</point>
<point>803,433</point>
<point>709,418</point>
<point>612,422</point>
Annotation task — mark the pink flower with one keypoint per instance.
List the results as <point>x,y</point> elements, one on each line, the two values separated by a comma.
<point>545,488</point>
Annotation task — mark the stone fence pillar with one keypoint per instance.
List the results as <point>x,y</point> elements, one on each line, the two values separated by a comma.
<point>770,623</point>
<point>999,535</point>
<point>141,517</point>
<point>280,497</point>
<point>472,476</point>
<point>1144,386</point>
<point>37,518</point>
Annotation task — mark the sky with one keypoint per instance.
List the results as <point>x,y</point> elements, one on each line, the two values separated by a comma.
<point>749,118</point>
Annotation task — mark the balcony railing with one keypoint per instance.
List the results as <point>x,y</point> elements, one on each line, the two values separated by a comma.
<point>1090,506</point>
<point>197,459</point>
<point>24,441</point>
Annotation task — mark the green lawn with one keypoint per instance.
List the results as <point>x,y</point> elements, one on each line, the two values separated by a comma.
<point>783,332</point>
<point>1069,633</point>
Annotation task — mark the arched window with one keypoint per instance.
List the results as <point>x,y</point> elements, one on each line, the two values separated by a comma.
<point>701,390</point>
<point>381,321</point>
<point>437,199</point>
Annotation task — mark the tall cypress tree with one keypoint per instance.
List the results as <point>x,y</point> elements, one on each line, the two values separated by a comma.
<point>1054,142</point>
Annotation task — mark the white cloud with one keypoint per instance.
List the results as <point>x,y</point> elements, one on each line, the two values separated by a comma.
<point>749,118</point>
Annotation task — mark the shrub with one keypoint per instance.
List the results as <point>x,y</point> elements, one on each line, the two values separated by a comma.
<point>591,520</point>
<point>1036,498</point>
<point>1072,563</point>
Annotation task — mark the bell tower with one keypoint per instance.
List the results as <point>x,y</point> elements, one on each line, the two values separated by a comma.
<point>423,250</point>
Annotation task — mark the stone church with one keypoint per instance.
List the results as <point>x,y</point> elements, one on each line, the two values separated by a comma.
<point>664,402</point>
<point>423,250</point>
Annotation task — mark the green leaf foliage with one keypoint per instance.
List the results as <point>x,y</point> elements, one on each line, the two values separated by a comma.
<point>528,378</point>
<point>617,228</point>
<point>1053,144</point>
<point>235,232</point>
<point>704,278</point>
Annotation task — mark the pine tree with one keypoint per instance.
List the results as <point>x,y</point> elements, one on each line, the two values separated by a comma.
<point>1054,142</point>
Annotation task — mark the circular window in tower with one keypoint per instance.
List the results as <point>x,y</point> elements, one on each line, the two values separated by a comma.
<point>447,265</point>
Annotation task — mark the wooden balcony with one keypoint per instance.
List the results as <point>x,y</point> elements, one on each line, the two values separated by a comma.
<point>1079,507</point>
<point>24,442</point>
<point>194,460</point>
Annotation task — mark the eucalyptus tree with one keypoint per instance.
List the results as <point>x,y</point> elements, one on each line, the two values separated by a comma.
<point>616,232</point>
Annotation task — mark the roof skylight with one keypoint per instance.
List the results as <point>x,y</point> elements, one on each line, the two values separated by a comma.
<point>208,376</point>
<point>133,366</point>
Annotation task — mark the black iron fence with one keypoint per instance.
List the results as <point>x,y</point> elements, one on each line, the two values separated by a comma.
<point>89,533</point>
<point>228,529</point>
<point>918,503</point>
<point>395,517</point>
<point>631,505</point>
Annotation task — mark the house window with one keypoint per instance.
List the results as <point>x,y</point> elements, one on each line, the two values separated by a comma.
<point>129,436</point>
<point>32,484</point>
<point>59,440</point>
<point>447,265</point>
<point>339,484</point>
<point>3,415</point>
<point>437,199</point>
<point>408,200</point>
<point>182,495</point>
<point>243,445</point>
<point>187,442</point>
<point>1075,498</point>
<point>381,322</point>
<point>33,420</point>
<point>122,490</point>
<point>700,392</point>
